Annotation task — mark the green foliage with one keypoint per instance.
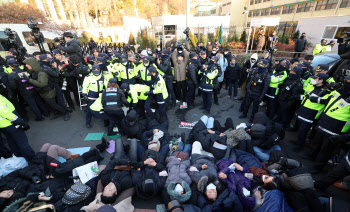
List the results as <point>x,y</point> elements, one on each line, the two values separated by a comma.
<point>139,38</point>
<point>131,39</point>
<point>284,38</point>
<point>153,43</point>
<point>145,40</point>
<point>217,34</point>
<point>203,39</point>
<point>243,37</point>
<point>296,35</point>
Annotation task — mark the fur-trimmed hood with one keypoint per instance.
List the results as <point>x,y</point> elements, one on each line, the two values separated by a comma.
<point>180,197</point>
<point>205,181</point>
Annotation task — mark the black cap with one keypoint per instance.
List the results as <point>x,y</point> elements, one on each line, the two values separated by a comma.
<point>298,70</point>
<point>322,67</point>
<point>68,34</point>
<point>151,70</point>
<point>124,85</point>
<point>43,57</point>
<point>100,59</point>
<point>89,58</point>
<point>322,76</point>
<point>113,80</point>
<point>75,59</point>
<point>56,51</point>
<point>146,59</point>
<point>124,58</point>
<point>165,51</point>
<point>193,54</point>
<point>215,58</point>
<point>203,53</point>
<point>95,68</point>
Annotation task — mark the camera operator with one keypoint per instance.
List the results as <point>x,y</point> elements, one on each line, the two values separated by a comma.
<point>72,46</point>
<point>200,47</point>
<point>180,59</point>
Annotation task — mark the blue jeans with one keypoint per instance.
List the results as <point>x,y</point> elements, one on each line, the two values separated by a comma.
<point>264,155</point>
<point>234,84</point>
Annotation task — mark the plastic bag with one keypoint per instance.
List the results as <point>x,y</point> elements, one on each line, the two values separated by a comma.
<point>11,164</point>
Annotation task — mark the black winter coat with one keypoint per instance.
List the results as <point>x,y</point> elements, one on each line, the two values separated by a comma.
<point>191,74</point>
<point>234,73</point>
<point>149,172</point>
<point>121,179</point>
<point>207,141</point>
<point>291,90</point>
<point>147,136</point>
<point>227,201</point>
<point>72,48</point>
<point>300,45</point>
<point>165,67</point>
<point>132,131</point>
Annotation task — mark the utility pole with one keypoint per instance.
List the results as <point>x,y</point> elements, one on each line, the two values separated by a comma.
<point>187,11</point>
<point>247,11</point>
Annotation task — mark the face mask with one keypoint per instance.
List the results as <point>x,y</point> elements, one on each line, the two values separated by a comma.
<point>124,63</point>
<point>232,64</point>
<point>313,82</point>
<point>179,188</point>
<point>158,49</point>
<point>214,52</point>
<point>253,61</point>
<point>146,64</point>
<point>96,73</point>
<point>263,177</point>
<point>225,53</point>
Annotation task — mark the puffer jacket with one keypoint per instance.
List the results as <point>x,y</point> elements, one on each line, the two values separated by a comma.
<point>227,201</point>
<point>135,130</point>
<point>72,47</point>
<point>177,171</point>
<point>207,141</point>
<point>197,161</point>
<point>147,136</point>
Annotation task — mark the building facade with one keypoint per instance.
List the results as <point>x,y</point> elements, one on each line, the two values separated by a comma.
<point>226,7</point>
<point>289,11</point>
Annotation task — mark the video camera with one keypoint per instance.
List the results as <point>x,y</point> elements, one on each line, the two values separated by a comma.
<point>11,36</point>
<point>187,32</point>
<point>13,43</point>
<point>38,37</point>
<point>60,40</point>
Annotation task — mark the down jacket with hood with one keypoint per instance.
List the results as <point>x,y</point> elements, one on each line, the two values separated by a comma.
<point>236,182</point>
<point>207,141</point>
<point>40,79</point>
<point>149,172</point>
<point>147,136</point>
<point>263,131</point>
<point>177,171</point>
<point>72,47</point>
<point>248,65</point>
<point>227,201</point>
<point>197,161</point>
<point>131,126</point>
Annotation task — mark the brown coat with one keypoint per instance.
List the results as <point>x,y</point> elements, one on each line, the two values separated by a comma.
<point>180,66</point>
<point>260,41</point>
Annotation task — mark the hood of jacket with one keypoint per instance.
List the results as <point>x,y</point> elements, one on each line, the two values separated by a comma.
<point>257,131</point>
<point>260,118</point>
<point>205,181</point>
<point>180,197</point>
<point>71,41</point>
<point>132,116</point>
<point>254,56</point>
<point>33,63</point>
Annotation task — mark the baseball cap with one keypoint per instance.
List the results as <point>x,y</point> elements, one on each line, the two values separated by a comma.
<point>146,59</point>
<point>298,70</point>
<point>124,85</point>
<point>56,51</point>
<point>193,54</point>
<point>151,70</point>
<point>322,76</point>
<point>322,67</point>
<point>165,51</point>
<point>113,80</point>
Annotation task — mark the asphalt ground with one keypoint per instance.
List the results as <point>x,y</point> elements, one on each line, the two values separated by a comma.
<point>71,134</point>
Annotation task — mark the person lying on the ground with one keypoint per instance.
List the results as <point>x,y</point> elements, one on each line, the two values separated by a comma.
<point>116,177</point>
<point>201,164</point>
<point>214,197</point>
<point>156,135</point>
<point>150,176</point>
<point>40,176</point>
<point>131,126</point>
<point>265,135</point>
<point>208,123</point>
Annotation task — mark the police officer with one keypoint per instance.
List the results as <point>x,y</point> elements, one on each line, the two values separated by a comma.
<point>204,61</point>
<point>126,71</point>
<point>323,68</point>
<point>308,70</point>
<point>92,87</point>
<point>136,97</point>
<point>333,121</point>
<point>208,74</point>
<point>191,78</point>
<point>13,128</point>
<point>164,65</point>
<point>257,86</point>
<point>289,96</point>
<point>277,78</point>
<point>143,71</point>
<point>310,111</point>
<point>320,47</point>
<point>106,73</point>
<point>158,92</point>
<point>112,100</point>
<point>28,93</point>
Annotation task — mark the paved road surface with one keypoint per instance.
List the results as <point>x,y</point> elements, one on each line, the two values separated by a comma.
<point>71,134</point>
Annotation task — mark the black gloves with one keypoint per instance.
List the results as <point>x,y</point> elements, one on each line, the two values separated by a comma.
<point>148,93</point>
<point>18,121</point>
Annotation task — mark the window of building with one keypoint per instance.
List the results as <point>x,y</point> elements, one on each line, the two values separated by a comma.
<point>265,12</point>
<point>275,11</point>
<point>305,7</point>
<point>288,9</point>
<point>256,13</point>
<point>345,3</point>
<point>251,2</point>
<point>257,1</point>
<point>266,0</point>
<point>229,3</point>
<point>329,32</point>
<point>326,4</point>
<point>250,14</point>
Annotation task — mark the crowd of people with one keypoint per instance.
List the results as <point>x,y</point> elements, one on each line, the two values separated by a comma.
<point>217,167</point>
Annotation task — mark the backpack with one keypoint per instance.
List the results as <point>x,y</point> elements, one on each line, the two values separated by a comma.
<point>77,193</point>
